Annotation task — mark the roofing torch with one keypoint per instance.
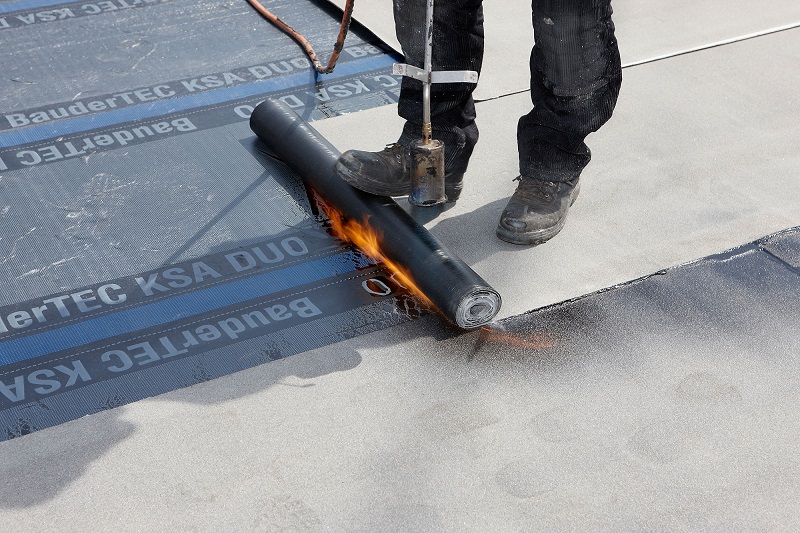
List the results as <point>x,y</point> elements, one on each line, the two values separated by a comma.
<point>427,173</point>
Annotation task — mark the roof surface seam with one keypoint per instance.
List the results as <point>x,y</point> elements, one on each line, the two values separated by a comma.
<point>780,260</point>
<point>717,44</point>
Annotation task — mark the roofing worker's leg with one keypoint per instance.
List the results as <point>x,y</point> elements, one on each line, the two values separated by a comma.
<point>575,79</point>
<point>457,45</point>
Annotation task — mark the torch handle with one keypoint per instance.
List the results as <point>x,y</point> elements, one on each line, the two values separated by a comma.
<point>427,133</point>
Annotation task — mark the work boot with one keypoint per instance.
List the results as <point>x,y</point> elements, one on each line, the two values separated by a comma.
<point>388,172</point>
<point>453,185</point>
<point>385,173</point>
<point>537,211</point>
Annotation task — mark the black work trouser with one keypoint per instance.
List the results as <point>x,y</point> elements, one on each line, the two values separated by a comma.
<point>575,79</point>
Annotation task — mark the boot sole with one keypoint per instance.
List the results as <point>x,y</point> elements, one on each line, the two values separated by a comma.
<point>534,238</point>
<point>370,186</point>
<point>530,238</point>
<point>452,190</point>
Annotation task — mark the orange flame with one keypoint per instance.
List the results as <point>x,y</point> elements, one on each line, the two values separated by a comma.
<point>497,334</point>
<point>368,239</point>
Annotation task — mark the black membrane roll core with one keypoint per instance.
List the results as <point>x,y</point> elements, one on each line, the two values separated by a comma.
<point>453,287</point>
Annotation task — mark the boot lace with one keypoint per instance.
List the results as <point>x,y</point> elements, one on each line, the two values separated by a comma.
<point>396,150</point>
<point>542,190</point>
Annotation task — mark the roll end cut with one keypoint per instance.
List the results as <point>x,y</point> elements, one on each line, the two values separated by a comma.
<point>478,308</point>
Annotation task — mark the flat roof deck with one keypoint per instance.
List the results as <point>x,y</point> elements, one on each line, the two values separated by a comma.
<point>648,378</point>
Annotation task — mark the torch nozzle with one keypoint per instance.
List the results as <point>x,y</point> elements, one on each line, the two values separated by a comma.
<point>427,133</point>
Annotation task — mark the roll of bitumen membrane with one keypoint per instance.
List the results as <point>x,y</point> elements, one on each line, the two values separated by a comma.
<point>459,293</point>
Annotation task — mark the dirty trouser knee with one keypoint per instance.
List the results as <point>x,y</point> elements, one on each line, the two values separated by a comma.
<point>575,80</point>
<point>457,45</point>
